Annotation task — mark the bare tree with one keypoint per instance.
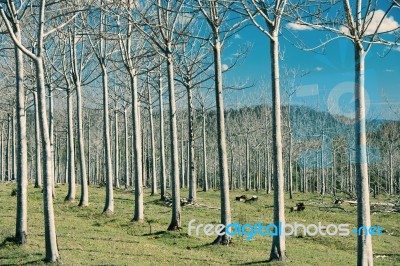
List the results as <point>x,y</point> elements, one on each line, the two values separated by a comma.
<point>216,16</point>
<point>37,57</point>
<point>271,14</point>
<point>21,232</point>
<point>360,22</point>
<point>163,35</point>
<point>102,54</point>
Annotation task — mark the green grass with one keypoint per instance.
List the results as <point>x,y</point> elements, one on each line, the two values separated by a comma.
<point>86,237</point>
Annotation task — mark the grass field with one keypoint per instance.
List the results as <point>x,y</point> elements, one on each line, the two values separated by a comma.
<point>86,237</point>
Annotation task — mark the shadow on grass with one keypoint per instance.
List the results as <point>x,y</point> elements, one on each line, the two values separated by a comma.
<point>33,262</point>
<point>7,241</point>
<point>260,262</point>
<point>202,246</point>
<point>157,202</point>
<point>158,233</point>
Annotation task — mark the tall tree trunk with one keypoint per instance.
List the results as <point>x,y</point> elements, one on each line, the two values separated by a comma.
<point>89,162</point>
<point>1,155</point>
<point>182,158</point>
<point>109,203</point>
<point>205,178</point>
<point>192,164</point>
<point>38,178</point>
<point>222,153</point>
<point>71,161</point>
<point>322,187</point>
<point>290,156</point>
<point>58,146</point>
<point>162,141</point>
<point>137,148</point>
<point>391,189</point>
<point>278,248</point>
<point>51,126</point>
<point>13,161</point>
<point>48,178</point>
<point>232,178</point>
<point>153,150</point>
<point>176,195</point>
<point>364,240</point>
<point>247,163</point>
<point>84,200</point>
<point>21,232</point>
<point>66,158</point>
<point>333,180</point>
<point>116,151</point>
<point>126,144</point>
<point>7,171</point>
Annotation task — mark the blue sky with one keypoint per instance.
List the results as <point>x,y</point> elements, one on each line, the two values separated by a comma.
<point>329,73</point>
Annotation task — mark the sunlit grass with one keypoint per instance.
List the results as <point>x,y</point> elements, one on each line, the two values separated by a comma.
<point>86,237</point>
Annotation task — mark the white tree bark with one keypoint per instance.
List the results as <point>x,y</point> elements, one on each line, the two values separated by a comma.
<point>109,203</point>
<point>162,141</point>
<point>84,200</point>
<point>38,179</point>
<point>222,153</point>
<point>71,149</point>
<point>126,144</point>
<point>205,178</point>
<point>176,204</point>
<point>138,215</point>
<point>116,150</point>
<point>191,162</point>
<point>21,232</point>
<point>152,144</point>
<point>278,249</point>
<point>364,240</point>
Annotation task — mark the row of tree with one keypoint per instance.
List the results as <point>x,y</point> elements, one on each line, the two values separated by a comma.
<point>132,50</point>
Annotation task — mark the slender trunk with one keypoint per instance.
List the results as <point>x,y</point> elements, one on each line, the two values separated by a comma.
<point>290,165</point>
<point>322,186</point>
<point>182,159</point>
<point>21,232</point>
<point>232,181</point>
<point>109,202</point>
<point>116,151</point>
<point>137,148</point>
<point>84,200</point>
<point>58,159</point>
<point>8,170</point>
<point>268,189</point>
<point>144,179</point>
<point>66,158</point>
<point>38,179</point>
<point>222,153</point>
<point>205,180</point>
<point>192,165</point>
<point>89,164</point>
<point>333,180</point>
<point>247,163</point>
<point>278,248</point>
<point>1,155</point>
<point>51,126</point>
<point>176,207</point>
<point>162,142</point>
<point>153,150</point>
<point>391,190</point>
<point>47,158</point>
<point>71,161</point>
<point>364,240</point>
<point>13,161</point>
<point>126,144</point>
